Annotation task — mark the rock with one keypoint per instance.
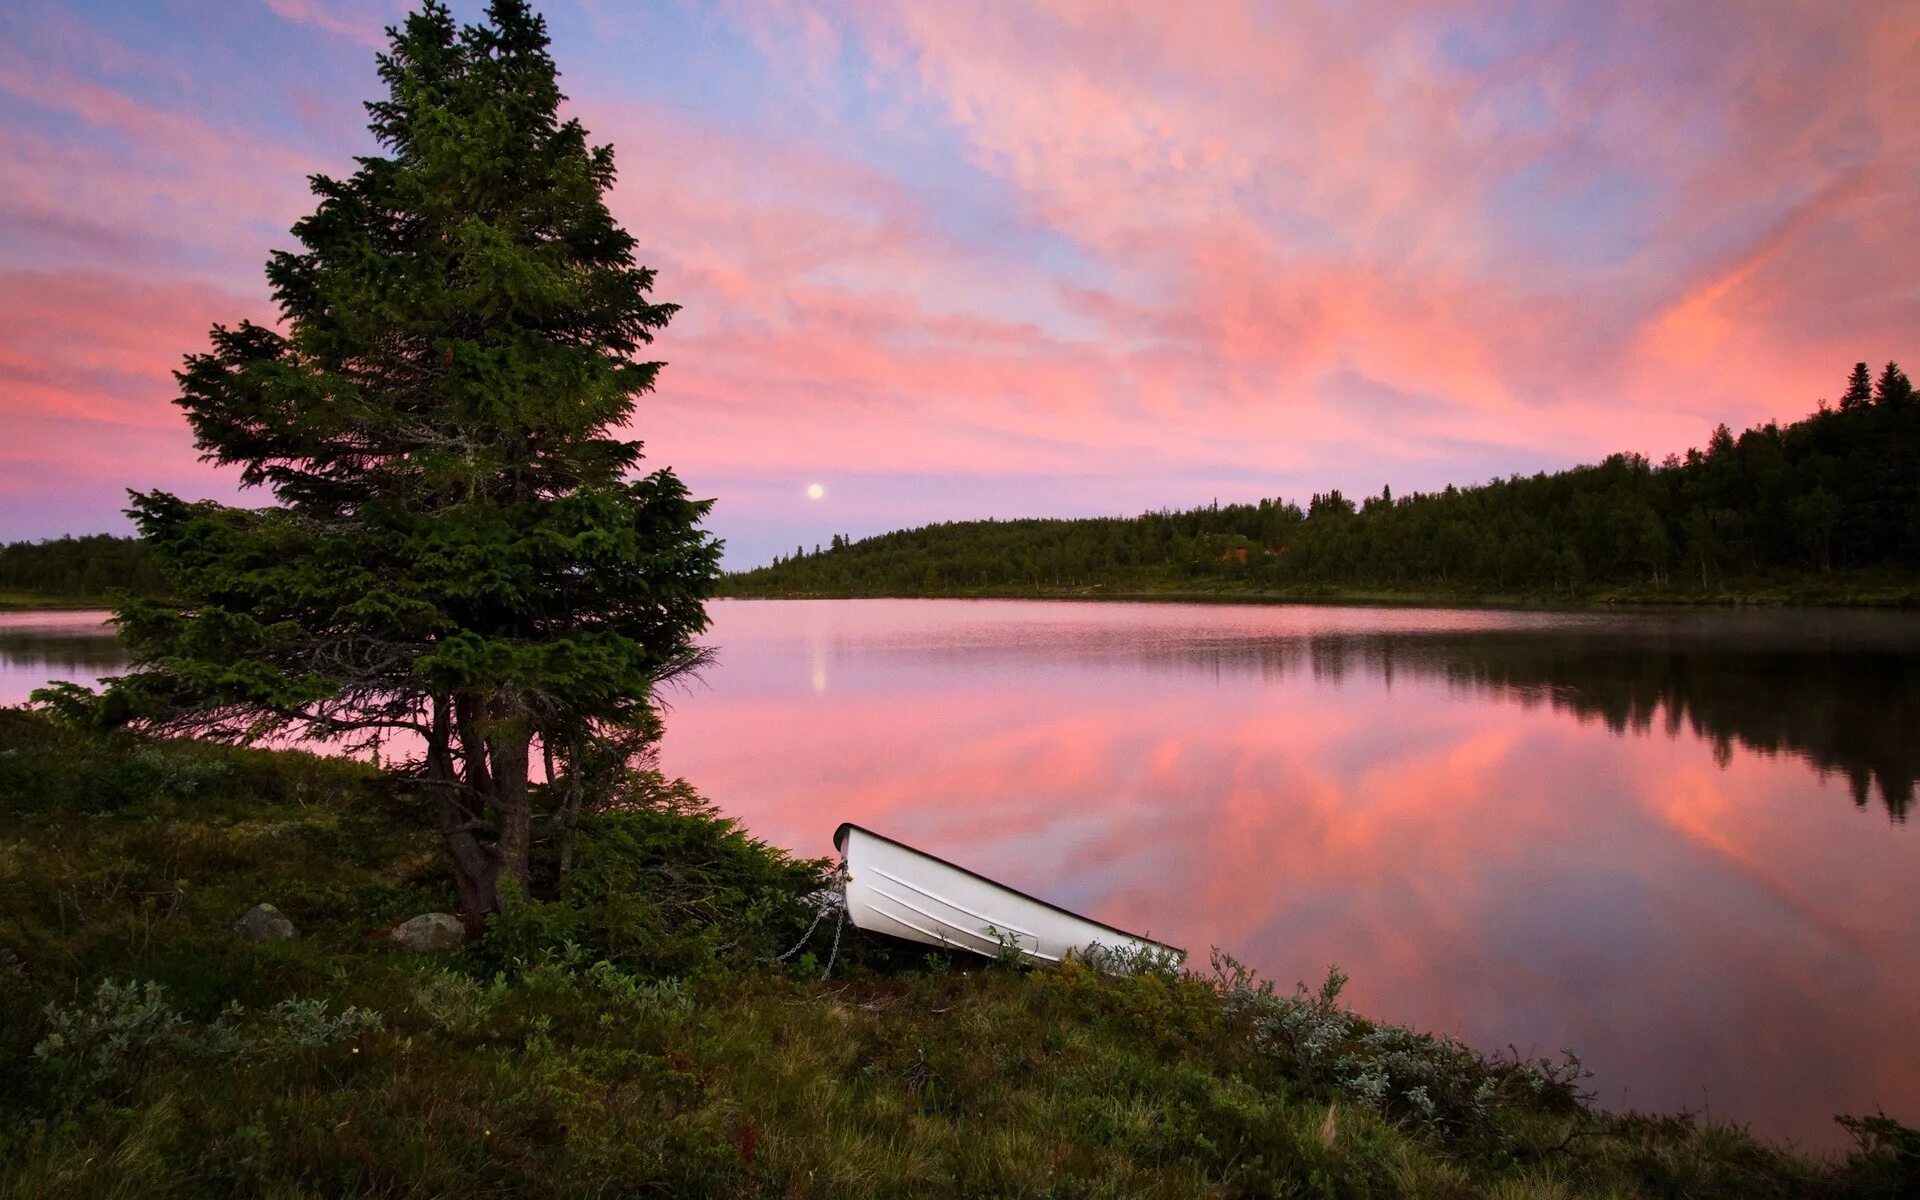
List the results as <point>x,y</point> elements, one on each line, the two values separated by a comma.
<point>429,931</point>
<point>264,923</point>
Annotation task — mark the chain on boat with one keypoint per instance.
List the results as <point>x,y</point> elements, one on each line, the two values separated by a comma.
<point>832,898</point>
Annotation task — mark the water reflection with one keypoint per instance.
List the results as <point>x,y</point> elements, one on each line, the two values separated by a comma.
<point>1663,839</point>
<point>1847,708</point>
<point>1635,835</point>
<point>36,647</point>
<point>1847,701</point>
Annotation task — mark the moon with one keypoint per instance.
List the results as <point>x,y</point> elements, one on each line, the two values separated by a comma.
<point>815,491</point>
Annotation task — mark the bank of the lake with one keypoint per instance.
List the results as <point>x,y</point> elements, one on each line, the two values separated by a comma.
<point>43,602</point>
<point>1801,594</point>
<point>1873,591</point>
<point>630,1035</point>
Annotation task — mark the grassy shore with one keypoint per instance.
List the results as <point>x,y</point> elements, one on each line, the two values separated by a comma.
<point>630,1037</point>
<point>40,602</point>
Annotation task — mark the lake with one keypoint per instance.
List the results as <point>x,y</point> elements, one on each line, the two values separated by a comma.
<point>1676,842</point>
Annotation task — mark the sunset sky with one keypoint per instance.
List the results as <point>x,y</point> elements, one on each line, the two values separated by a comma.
<point>1060,257</point>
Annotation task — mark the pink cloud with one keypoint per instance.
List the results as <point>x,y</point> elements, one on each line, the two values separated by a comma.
<point>1277,198</point>
<point>86,362</point>
<point>149,181</point>
<point>363,21</point>
<point>1336,246</point>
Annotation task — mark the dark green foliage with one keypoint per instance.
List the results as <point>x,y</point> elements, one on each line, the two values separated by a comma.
<point>462,564</point>
<point>662,882</point>
<point>53,771</point>
<point>79,568</point>
<point>1835,493</point>
<point>1859,391</point>
<point>1894,389</point>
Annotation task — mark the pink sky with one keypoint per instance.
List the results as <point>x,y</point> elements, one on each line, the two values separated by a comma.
<point>1059,257</point>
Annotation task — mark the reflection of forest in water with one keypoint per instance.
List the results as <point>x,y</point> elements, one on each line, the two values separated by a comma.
<point>1854,711</point>
<point>1846,706</point>
<point>56,649</point>
<point>1840,690</point>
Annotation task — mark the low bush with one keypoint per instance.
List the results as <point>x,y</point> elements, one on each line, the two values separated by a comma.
<point>662,882</point>
<point>1416,1079</point>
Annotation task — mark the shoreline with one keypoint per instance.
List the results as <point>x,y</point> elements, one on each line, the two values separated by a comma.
<point>1892,600</point>
<point>24,602</point>
<point>1889,598</point>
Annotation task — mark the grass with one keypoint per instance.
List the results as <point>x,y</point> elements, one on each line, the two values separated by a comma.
<point>41,602</point>
<point>630,1037</point>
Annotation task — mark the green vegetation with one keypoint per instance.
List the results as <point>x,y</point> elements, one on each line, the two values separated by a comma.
<point>461,561</point>
<point>75,572</point>
<point>630,1035</point>
<point>1825,510</point>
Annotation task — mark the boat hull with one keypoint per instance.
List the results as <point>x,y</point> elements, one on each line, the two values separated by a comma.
<point>896,890</point>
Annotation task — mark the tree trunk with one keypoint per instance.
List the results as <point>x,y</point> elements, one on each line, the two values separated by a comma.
<point>495,752</point>
<point>510,745</point>
<point>459,811</point>
<point>570,810</point>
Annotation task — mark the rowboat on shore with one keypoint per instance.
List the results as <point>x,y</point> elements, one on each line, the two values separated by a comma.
<point>896,890</point>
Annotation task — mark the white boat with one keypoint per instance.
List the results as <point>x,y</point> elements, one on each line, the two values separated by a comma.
<point>897,890</point>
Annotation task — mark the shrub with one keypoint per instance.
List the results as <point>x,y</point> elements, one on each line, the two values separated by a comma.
<point>307,1024</point>
<point>1889,1150</point>
<point>103,1049</point>
<point>456,1002</point>
<point>111,1040</point>
<point>1416,1079</point>
<point>666,998</point>
<point>662,882</point>
<point>51,768</point>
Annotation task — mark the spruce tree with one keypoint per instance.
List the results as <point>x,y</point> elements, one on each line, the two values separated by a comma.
<point>1893,389</point>
<point>464,564</point>
<point>1859,391</point>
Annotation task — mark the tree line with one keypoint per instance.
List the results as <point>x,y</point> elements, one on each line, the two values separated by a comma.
<point>1838,491</point>
<point>80,568</point>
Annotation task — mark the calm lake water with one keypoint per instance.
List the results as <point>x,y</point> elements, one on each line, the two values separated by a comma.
<point>1677,843</point>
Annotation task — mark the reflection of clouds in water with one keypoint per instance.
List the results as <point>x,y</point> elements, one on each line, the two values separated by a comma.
<point>1476,844</point>
<point>1836,689</point>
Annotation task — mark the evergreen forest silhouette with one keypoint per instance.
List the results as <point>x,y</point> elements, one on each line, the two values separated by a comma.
<point>1833,497</point>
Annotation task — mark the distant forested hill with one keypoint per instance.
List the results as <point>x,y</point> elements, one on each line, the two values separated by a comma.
<point>1827,507</point>
<point>78,568</point>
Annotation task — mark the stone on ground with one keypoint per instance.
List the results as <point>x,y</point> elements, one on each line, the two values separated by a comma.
<point>263,923</point>
<point>429,931</point>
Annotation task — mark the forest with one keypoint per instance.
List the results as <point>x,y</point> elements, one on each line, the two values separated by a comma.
<point>78,568</point>
<point>1834,496</point>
